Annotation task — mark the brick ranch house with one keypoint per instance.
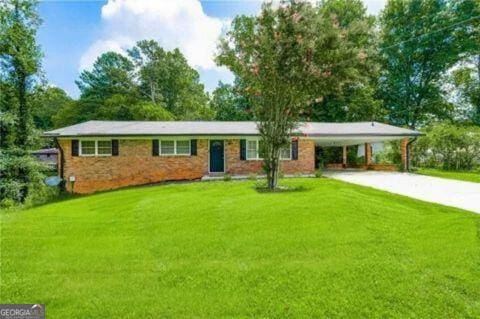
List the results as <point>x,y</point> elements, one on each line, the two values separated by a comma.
<point>101,155</point>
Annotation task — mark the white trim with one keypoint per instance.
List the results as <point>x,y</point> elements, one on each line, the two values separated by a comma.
<point>80,142</point>
<point>257,150</point>
<point>161,137</point>
<point>257,158</point>
<point>175,140</point>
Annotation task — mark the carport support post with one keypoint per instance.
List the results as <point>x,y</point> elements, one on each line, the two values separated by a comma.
<point>344,162</point>
<point>404,151</point>
<point>368,154</point>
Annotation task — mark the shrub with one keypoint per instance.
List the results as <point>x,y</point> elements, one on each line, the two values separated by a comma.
<point>227,177</point>
<point>318,172</point>
<point>21,179</point>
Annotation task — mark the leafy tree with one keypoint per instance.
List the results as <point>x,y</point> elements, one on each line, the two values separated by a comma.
<point>19,59</point>
<point>19,67</point>
<point>467,82</point>
<point>148,111</point>
<point>230,104</point>
<point>448,146</point>
<point>420,40</point>
<point>354,100</point>
<point>8,114</point>
<point>79,111</point>
<point>353,103</point>
<point>117,107</point>
<point>46,103</point>
<point>108,92</point>
<point>112,73</point>
<point>287,57</point>
<point>122,107</point>
<point>165,77</point>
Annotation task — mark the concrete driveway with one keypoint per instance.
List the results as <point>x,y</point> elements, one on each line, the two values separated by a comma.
<point>448,192</point>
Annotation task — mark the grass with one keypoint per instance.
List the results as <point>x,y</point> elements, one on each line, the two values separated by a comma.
<point>222,249</point>
<point>468,176</point>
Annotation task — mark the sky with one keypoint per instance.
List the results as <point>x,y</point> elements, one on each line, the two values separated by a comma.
<point>74,33</point>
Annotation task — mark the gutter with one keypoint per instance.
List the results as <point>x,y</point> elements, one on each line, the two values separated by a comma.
<point>62,160</point>
<point>233,135</point>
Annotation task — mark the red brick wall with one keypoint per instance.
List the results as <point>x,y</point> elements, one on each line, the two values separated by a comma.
<point>305,163</point>
<point>135,165</point>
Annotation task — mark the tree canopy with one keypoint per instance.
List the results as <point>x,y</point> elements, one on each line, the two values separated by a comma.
<point>420,41</point>
<point>20,175</point>
<point>289,57</point>
<point>165,77</point>
<point>230,104</point>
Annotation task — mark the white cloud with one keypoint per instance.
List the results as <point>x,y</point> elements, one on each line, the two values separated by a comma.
<point>99,47</point>
<point>173,24</point>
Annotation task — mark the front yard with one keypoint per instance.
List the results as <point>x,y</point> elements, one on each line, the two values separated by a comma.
<point>220,249</point>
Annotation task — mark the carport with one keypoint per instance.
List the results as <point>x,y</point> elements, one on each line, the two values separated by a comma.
<point>362,134</point>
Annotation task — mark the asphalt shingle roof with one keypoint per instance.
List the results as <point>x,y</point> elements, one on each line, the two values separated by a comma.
<point>148,128</point>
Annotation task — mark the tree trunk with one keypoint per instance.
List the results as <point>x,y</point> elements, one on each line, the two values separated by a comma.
<point>273,169</point>
<point>478,67</point>
<point>22,135</point>
<point>152,92</point>
<point>22,130</point>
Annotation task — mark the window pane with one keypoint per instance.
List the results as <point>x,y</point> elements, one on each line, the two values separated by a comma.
<point>285,153</point>
<point>251,149</point>
<point>104,147</point>
<point>167,147</point>
<point>251,154</point>
<point>183,147</point>
<point>88,147</point>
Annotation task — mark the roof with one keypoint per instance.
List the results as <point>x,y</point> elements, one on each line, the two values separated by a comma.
<point>199,128</point>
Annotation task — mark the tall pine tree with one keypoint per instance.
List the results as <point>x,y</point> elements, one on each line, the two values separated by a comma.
<point>19,67</point>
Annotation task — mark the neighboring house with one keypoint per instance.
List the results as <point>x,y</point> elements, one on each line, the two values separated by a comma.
<point>49,156</point>
<point>100,155</point>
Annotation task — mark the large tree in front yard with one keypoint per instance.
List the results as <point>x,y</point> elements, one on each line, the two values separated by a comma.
<point>288,56</point>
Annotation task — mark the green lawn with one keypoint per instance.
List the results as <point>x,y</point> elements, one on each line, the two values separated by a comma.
<point>459,175</point>
<point>220,249</point>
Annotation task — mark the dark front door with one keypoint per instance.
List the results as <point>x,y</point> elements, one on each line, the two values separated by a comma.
<point>216,156</point>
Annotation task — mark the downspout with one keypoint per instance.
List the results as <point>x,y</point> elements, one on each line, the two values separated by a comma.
<point>62,162</point>
<point>408,153</point>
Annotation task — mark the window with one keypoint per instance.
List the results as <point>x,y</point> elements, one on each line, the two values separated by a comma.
<point>254,148</point>
<point>286,152</point>
<point>183,147</point>
<point>175,147</point>
<point>96,148</point>
<point>104,147</point>
<point>167,147</point>
<point>87,148</point>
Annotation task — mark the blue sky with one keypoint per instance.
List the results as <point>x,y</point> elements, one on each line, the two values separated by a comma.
<point>74,33</point>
